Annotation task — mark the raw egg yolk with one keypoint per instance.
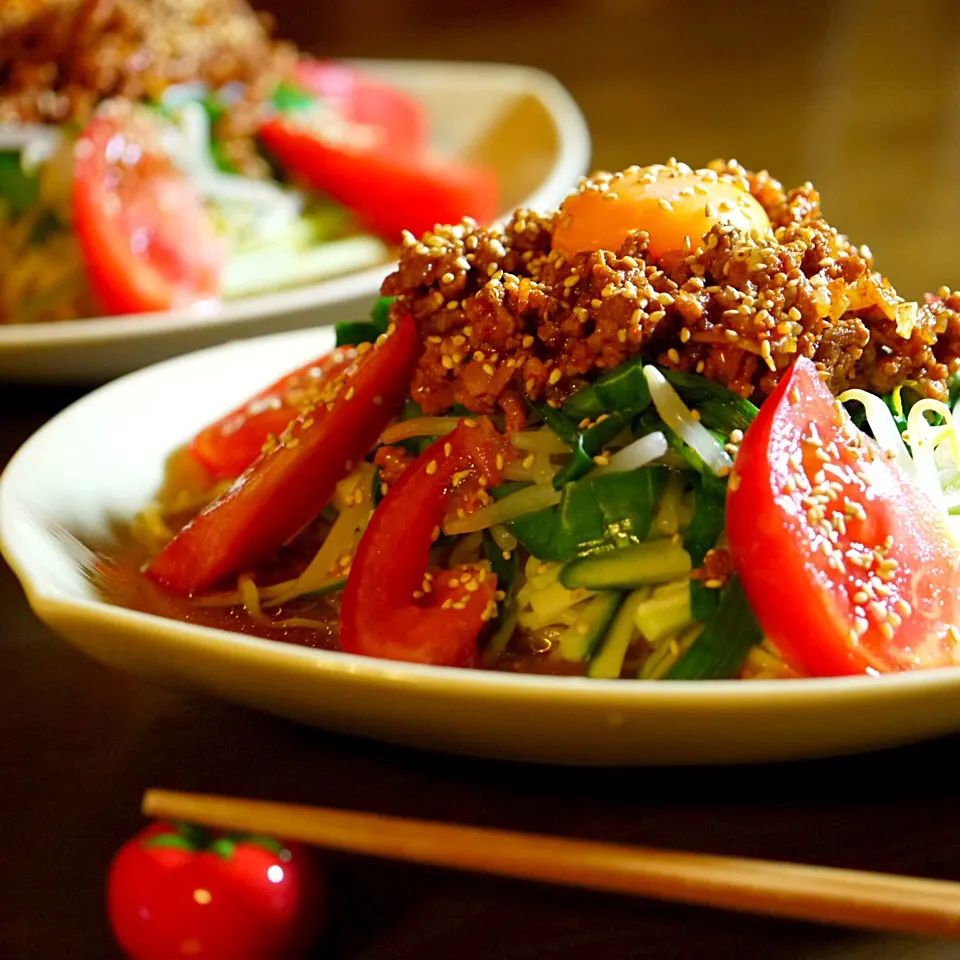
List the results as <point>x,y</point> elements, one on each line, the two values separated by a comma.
<point>670,208</point>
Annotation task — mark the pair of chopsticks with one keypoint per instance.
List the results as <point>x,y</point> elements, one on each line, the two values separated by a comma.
<point>822,894</point>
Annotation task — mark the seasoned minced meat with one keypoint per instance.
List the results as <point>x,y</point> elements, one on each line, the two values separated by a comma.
<point>503,315</point>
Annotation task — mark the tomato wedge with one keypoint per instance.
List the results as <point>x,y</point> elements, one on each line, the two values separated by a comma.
<point>361,98</point>
<point>288,485</point>
<point>386,610</point>
<point>226,448</point>
<point>847,564</point>
<point>146,238</point>
<point>389,192</point>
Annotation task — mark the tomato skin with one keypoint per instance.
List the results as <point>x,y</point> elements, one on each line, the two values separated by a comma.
<point>387,191</point>
<point>147,241</point>
<point>362,99</point>
<point>230,445</point>
<point>380,615</point>
<point>809,609</point>
<point>285,488</point>
<point>254,903</point>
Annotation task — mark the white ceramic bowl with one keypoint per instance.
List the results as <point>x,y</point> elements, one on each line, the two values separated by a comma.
<point>518,120</point>
<point>101,460</point>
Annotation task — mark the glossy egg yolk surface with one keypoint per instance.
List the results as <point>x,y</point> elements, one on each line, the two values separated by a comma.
<point>676,208</point>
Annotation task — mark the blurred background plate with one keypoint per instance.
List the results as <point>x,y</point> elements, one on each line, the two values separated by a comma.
<point>518,120</point>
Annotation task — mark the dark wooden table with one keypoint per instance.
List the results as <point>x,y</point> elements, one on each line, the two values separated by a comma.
<point>860,97</point>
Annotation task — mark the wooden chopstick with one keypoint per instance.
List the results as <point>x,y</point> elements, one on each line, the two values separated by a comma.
<point>822,894</point>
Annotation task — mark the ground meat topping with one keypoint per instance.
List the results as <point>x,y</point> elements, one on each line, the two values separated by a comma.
<point>503,315</point>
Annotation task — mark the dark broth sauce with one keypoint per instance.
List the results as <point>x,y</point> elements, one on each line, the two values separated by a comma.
<point>120,580</point>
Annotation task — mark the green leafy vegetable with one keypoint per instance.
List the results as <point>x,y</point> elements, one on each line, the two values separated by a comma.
<point>586,443</point>
<point>354,332</point>
<point>594,514</point>
<point>19,189</point>
<point>725,416</point>
<point>720,409</point>
<point>289,98</point>
<point>709,505</point>
<point>623,390</point>
<point>722,647</point>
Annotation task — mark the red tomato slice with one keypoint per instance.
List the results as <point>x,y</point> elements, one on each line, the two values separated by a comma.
<point>388,192</point>
<point>289,485</point>
<point>147,241</point>
<point>360,98</point>
<point>226,448</point>
<point>386,612</point>
<point>847,564</point>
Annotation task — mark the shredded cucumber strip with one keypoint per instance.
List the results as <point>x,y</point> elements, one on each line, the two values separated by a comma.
<point>664,613</point>
<point>608,662</point>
